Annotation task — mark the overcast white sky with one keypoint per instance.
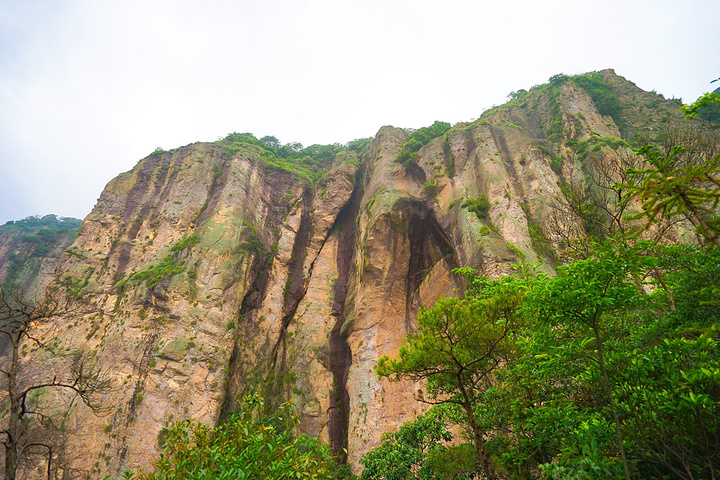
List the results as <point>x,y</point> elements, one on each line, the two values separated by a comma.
<point>89,87</point>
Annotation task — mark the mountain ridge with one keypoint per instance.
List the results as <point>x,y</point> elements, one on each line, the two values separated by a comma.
<point>220,268</point>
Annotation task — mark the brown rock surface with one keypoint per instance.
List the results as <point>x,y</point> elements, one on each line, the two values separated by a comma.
<point>213,273</point>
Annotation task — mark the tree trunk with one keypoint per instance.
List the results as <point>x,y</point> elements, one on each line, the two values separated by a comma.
<point>477,434</point>
<point>611,398</point>
<point>11,460</point>
<point>479,444</point>
<point>15,417</point>
<point>671,296</point>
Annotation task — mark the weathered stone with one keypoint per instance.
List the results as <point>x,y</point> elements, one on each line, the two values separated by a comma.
<point>297,290</point>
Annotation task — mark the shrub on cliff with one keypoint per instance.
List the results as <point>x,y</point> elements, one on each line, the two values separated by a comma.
<point>418,139</point>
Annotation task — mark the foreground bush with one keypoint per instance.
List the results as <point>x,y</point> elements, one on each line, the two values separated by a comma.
<point>251,445</point>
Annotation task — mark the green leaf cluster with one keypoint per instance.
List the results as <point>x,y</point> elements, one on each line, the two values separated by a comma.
<point>556,164</point>
<point>418,450</point>
<point>480,206</point>
<point>611,368</point>
<point>419,138</point>
<point>306,162</point>
<point>602,94</point>
<point>706,107</point>
<point>430,189</point>
<point>252,444</point>
<point>670,188</point>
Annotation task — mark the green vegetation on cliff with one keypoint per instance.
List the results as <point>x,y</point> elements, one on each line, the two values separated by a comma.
<point>419,138</point>
<point>41,234</point>
<point>167,268</point>
<point>35,238</point>
<point>308,163</point>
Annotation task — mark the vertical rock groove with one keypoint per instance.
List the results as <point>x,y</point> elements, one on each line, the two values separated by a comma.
<point>219,179</point>
<point>428,244</point>
<point>143,369</point>
<point>293,293</point>
<point>501,144</point>
<point>340,353</point>
<point>251,300</point>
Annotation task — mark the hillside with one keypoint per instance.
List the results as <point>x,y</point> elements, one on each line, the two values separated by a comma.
<point>30,249</point>
<point>217,269</point>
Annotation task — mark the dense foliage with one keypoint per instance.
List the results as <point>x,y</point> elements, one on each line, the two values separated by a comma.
<point>251,444</point>
<point>611,369</point>
<point>306,162</point>
<point>479,206</point>
<point>604,375</point>
<point>419,138</point>
<point>419,450</point>
<point>706,107</point>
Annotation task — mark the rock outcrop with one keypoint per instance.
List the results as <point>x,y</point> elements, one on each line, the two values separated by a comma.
<point>213,272</point>
<point>30,250</point>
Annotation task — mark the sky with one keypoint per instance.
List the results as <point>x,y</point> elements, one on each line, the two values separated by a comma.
<point>90,87</point>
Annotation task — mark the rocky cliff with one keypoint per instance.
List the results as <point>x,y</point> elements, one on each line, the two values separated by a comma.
<point>216,269</point>
<point>30,250</point>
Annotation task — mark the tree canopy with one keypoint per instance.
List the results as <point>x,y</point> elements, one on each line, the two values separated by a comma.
<point>251,444</point>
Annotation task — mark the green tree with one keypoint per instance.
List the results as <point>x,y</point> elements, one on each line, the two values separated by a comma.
<point>669,398</point>
<point>479,206</point>
<point>271,141</point>
<point>692,278</point>
<point>252,444</point>
<point>419,138</point>
<point>418,450</point>
<point>583,307</point>
<point>459,345</point>
<point>668,188</point>
<point>707,104</point>
<point>359,144</point>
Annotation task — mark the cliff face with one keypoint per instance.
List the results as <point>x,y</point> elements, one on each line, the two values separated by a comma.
<point>30,250</point>
<point>213,272</point>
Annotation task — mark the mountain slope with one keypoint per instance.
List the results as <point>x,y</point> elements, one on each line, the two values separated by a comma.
<point>30,249</point>
<point>219,268</point>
